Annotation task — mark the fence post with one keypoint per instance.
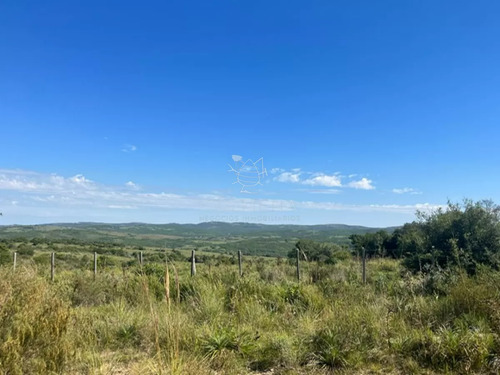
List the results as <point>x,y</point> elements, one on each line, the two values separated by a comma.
<point>52,265</point>
<point>15,260</point>
<point>239,263</point>
<point>141,259</point>
<point>193,263</point>
<point>298,264</point>
<point>364,266</point>
<point>95,264</point>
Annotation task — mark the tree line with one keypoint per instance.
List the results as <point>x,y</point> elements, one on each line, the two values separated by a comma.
<point>462,235</point>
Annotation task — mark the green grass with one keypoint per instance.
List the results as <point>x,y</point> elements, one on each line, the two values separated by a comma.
<point>263,323</point>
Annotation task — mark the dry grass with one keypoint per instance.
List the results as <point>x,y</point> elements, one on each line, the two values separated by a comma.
<point>264,323</point>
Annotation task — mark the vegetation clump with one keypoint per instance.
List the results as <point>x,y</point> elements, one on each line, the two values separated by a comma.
<point>462,235</point>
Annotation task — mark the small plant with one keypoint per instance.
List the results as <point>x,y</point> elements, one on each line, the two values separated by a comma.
<point>128,334</point>
<point>225,340</point>
<point>331,349</point>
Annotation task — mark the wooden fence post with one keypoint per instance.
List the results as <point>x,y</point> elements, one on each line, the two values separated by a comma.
<point>141,259</point>
<point>52,265</point>
<point>298,264</point>
<point>193,263</point>
<point>364,266</point>
<point>95,264</point>
<point>239,263</point>
<point>15,260</point>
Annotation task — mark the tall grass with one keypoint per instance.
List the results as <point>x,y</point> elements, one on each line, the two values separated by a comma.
<point>33,325</point>
<point>141,322</point>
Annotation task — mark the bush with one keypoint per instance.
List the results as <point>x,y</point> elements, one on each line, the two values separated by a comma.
<point>5,256</point>
<point>25,250</point>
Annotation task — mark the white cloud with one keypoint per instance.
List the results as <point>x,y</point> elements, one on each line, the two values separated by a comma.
<point>50,193</point>
<point>324,180</point>
<point>30,181</point>
<point>77,180</point>
<point>129,148</point>
<point>364,184</point>
<point>132,185</point>
<point>80,191</point>
<point>406,190</point>
<point>288,177</point>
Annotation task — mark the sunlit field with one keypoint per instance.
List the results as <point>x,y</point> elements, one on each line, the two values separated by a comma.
<point>158,319</point>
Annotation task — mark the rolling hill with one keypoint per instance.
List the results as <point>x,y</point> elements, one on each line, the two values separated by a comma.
<point>223,237</point>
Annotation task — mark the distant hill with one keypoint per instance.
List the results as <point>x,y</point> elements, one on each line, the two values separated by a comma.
<point>257,239</point>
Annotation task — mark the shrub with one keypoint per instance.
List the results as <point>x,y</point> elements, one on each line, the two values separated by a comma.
<point>25,250</point>
<point>5,256</point>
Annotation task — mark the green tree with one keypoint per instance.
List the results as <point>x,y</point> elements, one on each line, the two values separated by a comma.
<point>315,251</point>
<point>463,235</point>
<point>373,243</point>
<point>5,256</point>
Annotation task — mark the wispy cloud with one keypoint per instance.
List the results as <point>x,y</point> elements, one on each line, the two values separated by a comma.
<point>56,192</point>
<point>129,148</point>
<point>320,179</point>
<point>30,181</point>
<point>277,170</point>
<point>409,209</point>
<point>406,190</point>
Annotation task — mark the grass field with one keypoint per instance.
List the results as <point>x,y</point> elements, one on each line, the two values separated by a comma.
<point>160,320</point>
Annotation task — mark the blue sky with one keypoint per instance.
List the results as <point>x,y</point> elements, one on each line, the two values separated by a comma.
<point>363,111</point>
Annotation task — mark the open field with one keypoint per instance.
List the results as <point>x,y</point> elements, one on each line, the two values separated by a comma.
<point>147,320</point>
<point>430,303</point>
